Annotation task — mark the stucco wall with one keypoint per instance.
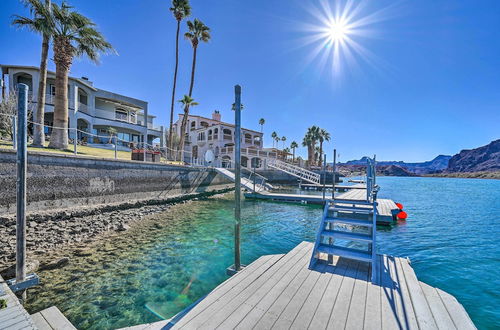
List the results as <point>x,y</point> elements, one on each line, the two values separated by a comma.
<point>61,181</point>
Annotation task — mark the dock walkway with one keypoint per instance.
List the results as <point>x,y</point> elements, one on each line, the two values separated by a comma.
<point>386,209</point>
<point>281,292</point>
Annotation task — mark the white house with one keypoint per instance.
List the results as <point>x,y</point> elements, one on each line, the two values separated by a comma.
<point>212,135</point>
<point>90,109</point>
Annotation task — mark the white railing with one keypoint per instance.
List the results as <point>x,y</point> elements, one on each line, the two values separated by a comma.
<point>249,152</point>
<point>296,171</point>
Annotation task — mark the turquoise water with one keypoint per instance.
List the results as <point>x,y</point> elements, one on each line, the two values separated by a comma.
<point>451,236</point>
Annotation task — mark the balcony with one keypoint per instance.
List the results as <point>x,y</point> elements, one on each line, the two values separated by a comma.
<point>227,137</point>
<point>83,108</point>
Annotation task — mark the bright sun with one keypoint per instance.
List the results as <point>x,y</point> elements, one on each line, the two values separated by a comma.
<point>337,31</point>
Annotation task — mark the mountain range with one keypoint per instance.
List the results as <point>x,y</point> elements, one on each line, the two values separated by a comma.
<point>438,164</point>
<point>482,159</point>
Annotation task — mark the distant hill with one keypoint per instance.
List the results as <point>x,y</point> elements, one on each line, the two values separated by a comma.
<point>436,165</point>
<point>482,159</point>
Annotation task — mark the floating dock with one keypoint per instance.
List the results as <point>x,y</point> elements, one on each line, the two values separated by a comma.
<point>386,208</point>
<point>314,186</point>
<point>281,292</point>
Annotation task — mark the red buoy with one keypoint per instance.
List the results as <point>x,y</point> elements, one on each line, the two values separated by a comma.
<point>402,215</point>
<point>399,205</point>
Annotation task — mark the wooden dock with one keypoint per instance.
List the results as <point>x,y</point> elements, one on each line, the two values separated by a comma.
<point>15,317</point>
<point>280,292</point>
<point>386,208</point>
<point>314,186</point>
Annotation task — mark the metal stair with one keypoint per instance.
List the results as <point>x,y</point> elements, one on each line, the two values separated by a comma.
<point>296,171</point>
<point>251,182</point>
<point>352,223</point>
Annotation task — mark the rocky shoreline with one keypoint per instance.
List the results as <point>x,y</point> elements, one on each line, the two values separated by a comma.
<point>48,233</point>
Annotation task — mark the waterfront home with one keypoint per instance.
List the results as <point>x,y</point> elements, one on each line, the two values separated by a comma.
<point>91,109</point>
<point>212,135</point>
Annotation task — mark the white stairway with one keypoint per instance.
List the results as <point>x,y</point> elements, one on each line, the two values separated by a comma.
<point>352,223</point>
<point>296,171</point>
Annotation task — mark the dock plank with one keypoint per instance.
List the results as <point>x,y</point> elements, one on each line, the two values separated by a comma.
<point>230,288</point>
<point>425,319</point>
<point>338,318</point>
<point>388,303</point>
<point>279,296</point>
<point>439,311</point>
<point>357,307</point>
<point>457,312</point>
<point>255,291</point>
<point>410,319</point>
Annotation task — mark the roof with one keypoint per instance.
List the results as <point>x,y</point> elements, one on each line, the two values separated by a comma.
<point>221,122</point>
<point>5,67</point>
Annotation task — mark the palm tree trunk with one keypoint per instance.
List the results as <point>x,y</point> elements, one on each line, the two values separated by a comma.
<point>192,73</point>
<point>293,156</point>
<point>320,153</point>
<point>62,58</point>
<point>186,109</point>
<point>38,129</point>
<point>183,132</point>
<point>171,132</point>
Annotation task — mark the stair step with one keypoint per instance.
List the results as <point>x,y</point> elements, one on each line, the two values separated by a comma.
<point>347,236</point>
<point>346,253</point>
<point>350,209</point>
<point>352,201</point>
<point>354,222</point>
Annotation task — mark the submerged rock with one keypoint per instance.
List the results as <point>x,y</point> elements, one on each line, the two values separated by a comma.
<point>55,265</point>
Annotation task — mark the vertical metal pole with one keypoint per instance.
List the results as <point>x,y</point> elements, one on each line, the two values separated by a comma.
<point>22,134</point>
<point>116,147</point>
<point>144,146</point>
<point>237,182</point>
<point>14,132</point>
<point>254,176</point>
<point>75,141</point>
<point>334,168</point>
<point>324,177</point>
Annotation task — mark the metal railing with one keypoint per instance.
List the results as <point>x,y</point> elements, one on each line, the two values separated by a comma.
<point>297,171</point>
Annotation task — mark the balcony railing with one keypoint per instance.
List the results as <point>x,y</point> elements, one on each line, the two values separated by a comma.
<point>49,98</point>
<point>228,137</point>
<point>83,108</point>
<point>249,152</point>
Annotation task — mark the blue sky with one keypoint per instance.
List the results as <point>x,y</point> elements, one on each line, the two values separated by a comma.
<point>429,87</point>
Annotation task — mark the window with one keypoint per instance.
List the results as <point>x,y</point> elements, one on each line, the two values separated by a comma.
<point>121,114</point>
<point>193,125</point>
<point>133,117</point>
<point>52,89</point>
<point>201,136</point>
<point>82,98</point>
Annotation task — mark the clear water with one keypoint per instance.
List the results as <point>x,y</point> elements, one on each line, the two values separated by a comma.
<point>451,236</point>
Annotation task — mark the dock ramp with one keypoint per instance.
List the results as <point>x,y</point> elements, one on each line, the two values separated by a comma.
<point>296,171</point>
<point>249,182</point>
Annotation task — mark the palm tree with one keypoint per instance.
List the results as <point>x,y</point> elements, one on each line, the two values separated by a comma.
<point>180,9</point>
<point>274,135</point>
<point>309,141</point>
<point>74,35</point>
<point>283,139</point>
<point>197,31</point>
<point>187,101</point>
<point>323,136</point>
<point>277,139</point>
<point>112,133</point>
<point>286,151</point>
<point>42,22</point>
<point>262,121</point>
<point>293,145</point>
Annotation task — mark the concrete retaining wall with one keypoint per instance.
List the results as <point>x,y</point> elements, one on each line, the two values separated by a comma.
<point>65,181</point>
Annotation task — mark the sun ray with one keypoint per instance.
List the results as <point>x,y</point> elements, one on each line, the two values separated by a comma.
<point>337,32</point>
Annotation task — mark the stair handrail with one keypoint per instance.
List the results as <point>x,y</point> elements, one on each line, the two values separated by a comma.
<point>273,162</point>
<point>315,254</point>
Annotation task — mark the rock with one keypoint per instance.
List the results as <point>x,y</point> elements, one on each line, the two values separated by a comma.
<point>83,253</point>
<point>122,227</point>
<point>55,265</point>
